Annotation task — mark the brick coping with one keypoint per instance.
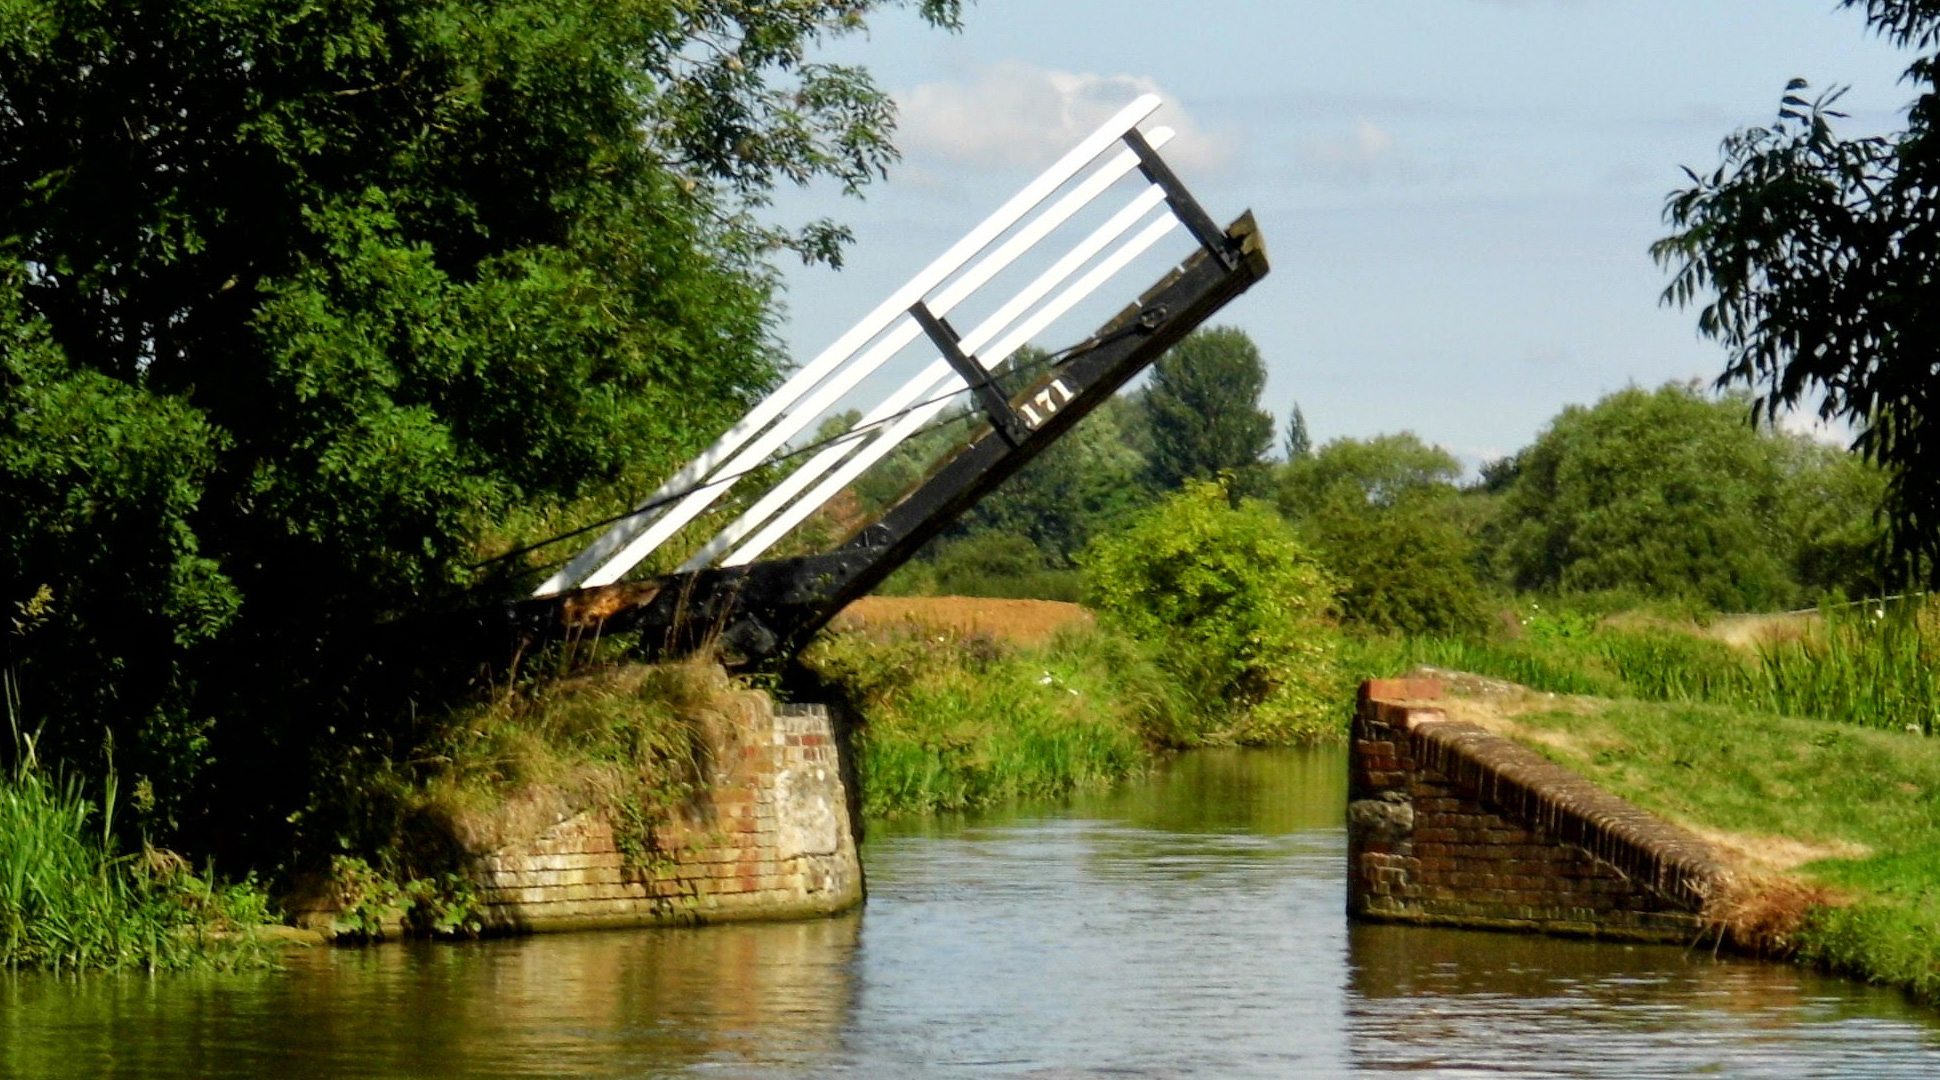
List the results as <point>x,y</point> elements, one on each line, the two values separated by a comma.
<point>1548,798</point>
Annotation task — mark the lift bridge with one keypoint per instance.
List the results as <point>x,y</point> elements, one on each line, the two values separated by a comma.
<point>752,609</point>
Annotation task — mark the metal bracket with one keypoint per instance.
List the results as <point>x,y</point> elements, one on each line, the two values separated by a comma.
<point>1184,206</point>
<point>984,384</point>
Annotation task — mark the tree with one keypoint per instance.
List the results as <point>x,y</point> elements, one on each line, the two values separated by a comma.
<point>1379,471</point>
<point>1385,516</point>
<point>1830,507</point>
<point>1084,484</point>
<point>1823,260</point>
<point>1298,443</point>
<point>299,302</point>
<point>1203,408</point>
<point>1088,481</point>
<point>1658,493</point>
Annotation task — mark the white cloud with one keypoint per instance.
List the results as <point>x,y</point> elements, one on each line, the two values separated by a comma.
<point>1351,155</point>
<point>1015,114</point>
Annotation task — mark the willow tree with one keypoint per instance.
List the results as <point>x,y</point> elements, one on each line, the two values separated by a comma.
<point>298,300</point>
<point>1816,258</point>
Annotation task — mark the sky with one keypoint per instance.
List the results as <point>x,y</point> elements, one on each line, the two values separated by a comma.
<point>1458,196</point>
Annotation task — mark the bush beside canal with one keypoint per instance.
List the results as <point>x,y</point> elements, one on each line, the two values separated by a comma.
<point>1215,628</point>
<point>951,722</point>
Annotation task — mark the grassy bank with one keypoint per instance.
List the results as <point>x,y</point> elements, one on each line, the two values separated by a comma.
<point>1869,667</point>
<point>1842,821</point>
<point>69,902</point>
<point>951,722</point>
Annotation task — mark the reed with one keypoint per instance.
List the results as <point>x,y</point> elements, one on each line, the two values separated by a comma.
<point>69,902</point>
<point>950,722</point>
<point>1877,667</point>
<point>1872,669</point>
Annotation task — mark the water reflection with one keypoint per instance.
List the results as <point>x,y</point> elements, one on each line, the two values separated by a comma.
<point>1465,1003</point>
<point>1190,925</point>
<point>602,1004</point>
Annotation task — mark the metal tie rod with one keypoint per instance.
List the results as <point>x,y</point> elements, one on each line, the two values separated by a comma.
<point>621,535</point>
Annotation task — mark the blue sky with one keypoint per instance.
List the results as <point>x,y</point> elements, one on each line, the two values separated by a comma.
<point>1458,195</point>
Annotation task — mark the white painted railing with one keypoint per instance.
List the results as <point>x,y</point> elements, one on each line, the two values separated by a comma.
<point>884,332</point>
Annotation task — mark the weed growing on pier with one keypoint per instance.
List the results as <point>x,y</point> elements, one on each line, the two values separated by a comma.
<point>630,739</point>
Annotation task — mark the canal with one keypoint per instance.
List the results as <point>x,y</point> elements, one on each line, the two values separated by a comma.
<point>1188,926</point>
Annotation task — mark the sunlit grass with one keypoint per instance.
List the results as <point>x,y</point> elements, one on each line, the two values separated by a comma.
<point>1870,668</point>
<point>1864,803</point>
<point>68,902</point>
<point>952,723</point>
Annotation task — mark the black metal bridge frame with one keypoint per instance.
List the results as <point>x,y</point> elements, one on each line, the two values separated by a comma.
<point>770,609</point>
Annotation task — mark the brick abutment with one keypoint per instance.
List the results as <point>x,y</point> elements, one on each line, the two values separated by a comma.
<point>1451,824</point>
<point>767,836</point>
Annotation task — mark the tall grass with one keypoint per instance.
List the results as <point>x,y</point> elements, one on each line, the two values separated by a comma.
<point>1880,670</point>
<point>69,902</point>
<point>952,723</point>
<point>1876,668</point>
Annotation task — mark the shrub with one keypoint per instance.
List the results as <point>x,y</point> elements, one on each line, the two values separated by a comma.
<point>955,722</point>
<point>1240,607</point>
<point>1405,569</point>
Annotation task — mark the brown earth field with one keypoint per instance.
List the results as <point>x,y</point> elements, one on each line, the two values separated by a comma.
<point>1021,621</point>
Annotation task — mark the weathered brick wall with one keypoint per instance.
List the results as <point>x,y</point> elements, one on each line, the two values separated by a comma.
<point>1450,824</point>
<point>767,836</point>
<point>770,837</point>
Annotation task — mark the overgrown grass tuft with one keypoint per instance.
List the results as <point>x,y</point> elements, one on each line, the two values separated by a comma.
<point>1891,935</point>
<point>69,902</point>
<point>952,722</point>
<point>630,739</point>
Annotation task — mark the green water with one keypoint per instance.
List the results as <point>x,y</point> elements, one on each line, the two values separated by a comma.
<point>1188,926</point>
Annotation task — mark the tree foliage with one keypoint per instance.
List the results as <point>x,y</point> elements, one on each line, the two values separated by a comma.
<point>1380,471</point>
<point>1240,606</point>
<point>1661,493</point>
<point>298,300</point>
<point>1089,481</point>
<point>1385,516</point>
<point>1085,483</point>
<point>1203,409</point>
<point>1821,255</point>
<point>1831,511</point>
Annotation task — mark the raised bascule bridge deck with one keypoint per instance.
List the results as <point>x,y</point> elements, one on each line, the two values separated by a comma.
<point>749,609</point>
